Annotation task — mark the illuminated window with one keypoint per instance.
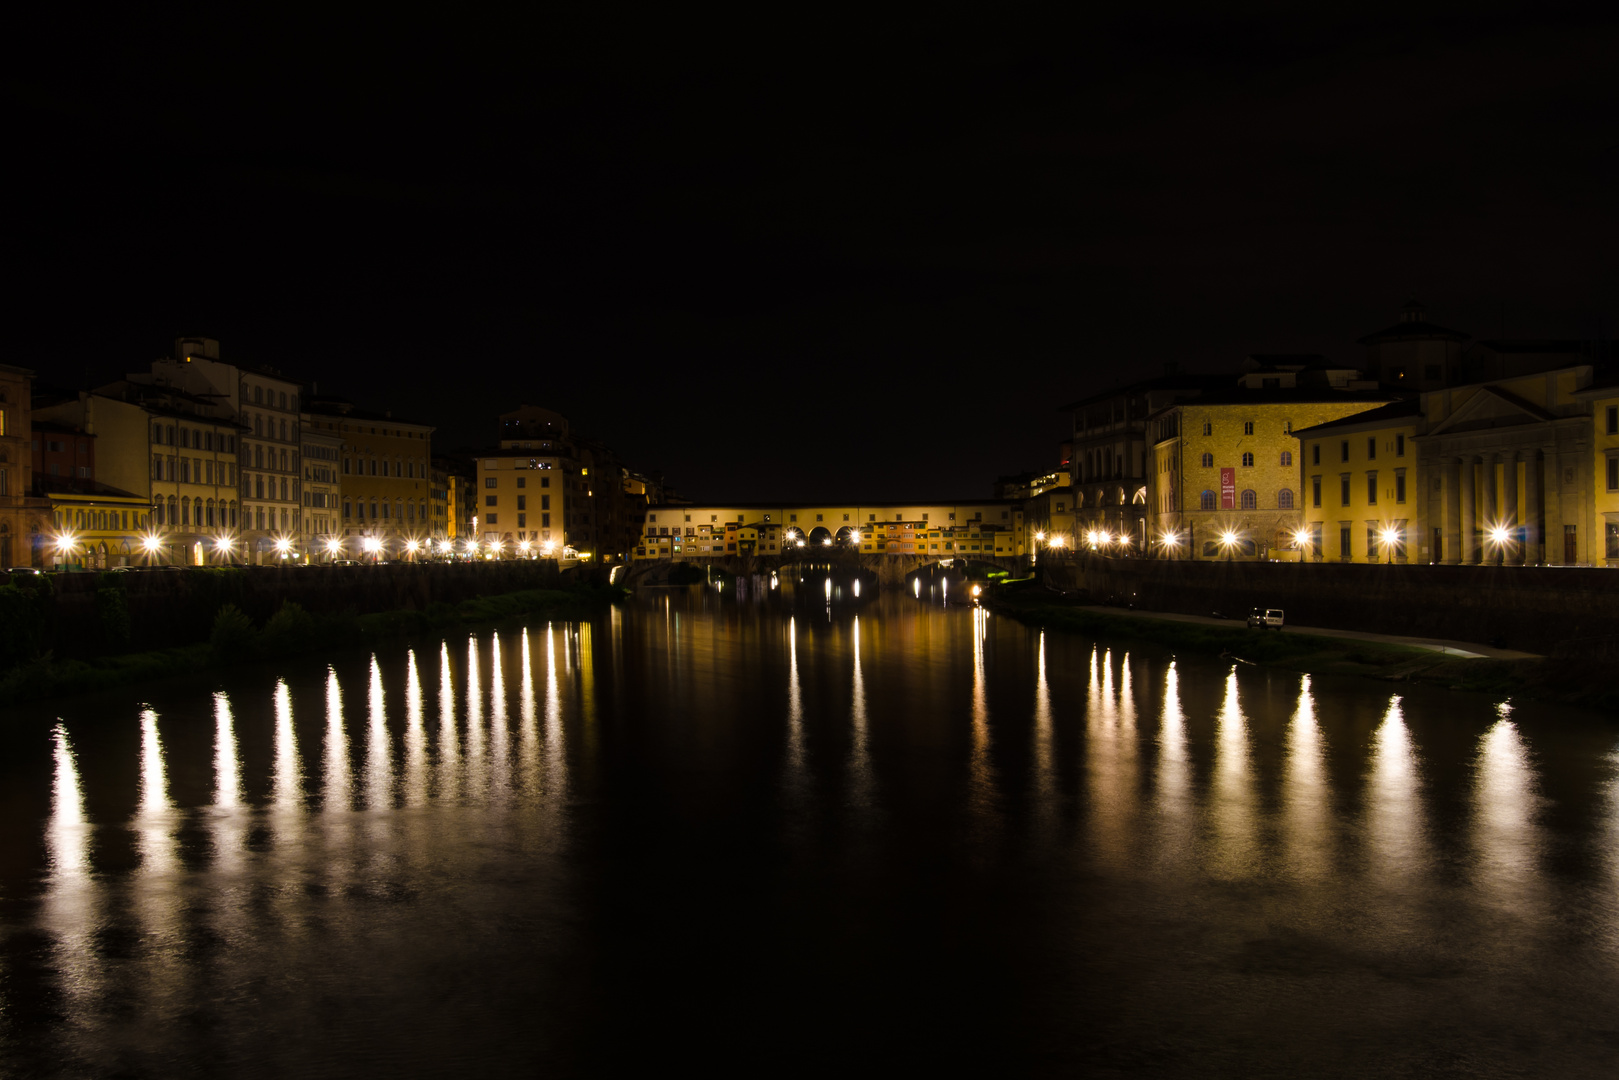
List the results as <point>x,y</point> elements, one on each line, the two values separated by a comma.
<point>1284,499</point>
<point>1250,501</point>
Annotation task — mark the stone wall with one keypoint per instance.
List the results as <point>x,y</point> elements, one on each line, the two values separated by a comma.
<point>178,607</point>
<point>1530,608</point>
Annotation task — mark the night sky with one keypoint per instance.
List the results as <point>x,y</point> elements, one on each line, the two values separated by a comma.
<point>794,258</point>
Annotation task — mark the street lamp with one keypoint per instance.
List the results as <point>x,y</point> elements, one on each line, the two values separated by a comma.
<point>373,547</point>
<point>283,546</point>
<point>334,548</point>
<point>1170,541</point>
<point>1302,542</point>
<point>223,547</point>
<point>1500,537</point>
<point>65,544</point>
<point>1228,540</point>
<point>1390,537</point>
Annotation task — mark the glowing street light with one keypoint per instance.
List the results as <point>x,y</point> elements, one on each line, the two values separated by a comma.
<point>1057,541</point>
<point>151,543</point>
<point>372,546</point>
<point>1499,536</point>
<point>283,546</point>
<point>855,536</point>
<point>1390,537</point>
<point>1228,540</point>
<point>445,547</point>
<point>524,547</point>
<point>1039,536</point>
<point>334,546</point>
<point>413,546</point>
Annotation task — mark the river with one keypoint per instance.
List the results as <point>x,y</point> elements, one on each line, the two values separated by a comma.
<point>798,832</point>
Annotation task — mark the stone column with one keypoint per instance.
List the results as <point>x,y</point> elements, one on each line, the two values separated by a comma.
<point>1489,514</point>
<point>1512,552</point>
<point>1533,520</point>
<point>1450,511</point>
<point>1469,512</point>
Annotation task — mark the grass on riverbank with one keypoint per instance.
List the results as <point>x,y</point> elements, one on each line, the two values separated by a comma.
<point>290,632</point>
<point>1551,679</point>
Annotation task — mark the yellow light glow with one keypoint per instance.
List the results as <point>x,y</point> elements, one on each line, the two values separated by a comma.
<point>1039,536</point>
<point>1104,537</point>
<point>413,546</point>
<point>222,544</point>
<point>64,542</point>
<point>855,536</point>
<point>1498,534</point>
<point>1056,541</point>
<point>334,546</point>
<point>1171,539</point>
<point>1123,539</point>
<point>1302,538</point>
<point>977,589</point>
<point>1390,537</point>
<point>151,544</point>
<point>372,545</point>
<point>1228,538</point>
<point>283,545</point>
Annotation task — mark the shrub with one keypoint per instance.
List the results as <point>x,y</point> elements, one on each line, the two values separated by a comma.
<point>232,635</point>
<point>112,611</point>
<point>289,630</point>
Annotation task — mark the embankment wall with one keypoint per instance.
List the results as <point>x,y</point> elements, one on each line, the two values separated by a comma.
<point>1529,608</point>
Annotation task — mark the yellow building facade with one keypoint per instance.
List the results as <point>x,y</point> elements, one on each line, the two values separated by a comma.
<point>1360,485</point>
<point>384,476</point>
<point>1225,479</point>
<point>521,499</point>
<point>1605,459</point>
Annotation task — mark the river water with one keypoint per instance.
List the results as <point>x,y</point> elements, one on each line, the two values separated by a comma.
<point>797,833</point>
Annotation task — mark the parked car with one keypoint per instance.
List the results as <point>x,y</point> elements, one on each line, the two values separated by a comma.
<point>31,571</point>
<point>1260,618</point>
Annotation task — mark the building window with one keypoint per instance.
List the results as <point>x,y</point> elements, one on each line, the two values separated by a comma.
<point>492,519</point>
<point>1206,501</point>
<point>1208,427</point>
<point>1250,501</point>
<point>1613,474</point>
<point>1248,461</point>
<point>1287,457</point>
<point>1399,445</point>
<point>491,500</point>
<point>1247,427</point>
<point>1343,450</point>
<point>1399,486</point>
<point>1371,449</point>
<point>1343,490</point>
<point>1612,532</point>
<point>1371,489</point>
<point>1613,419</point>
<point>522,502</point>
<point>1284,499</point>
<point>1315,491</point>
<point>1208,461</point>
<point>1343,543</point>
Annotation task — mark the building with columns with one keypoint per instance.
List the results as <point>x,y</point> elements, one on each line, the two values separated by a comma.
<point>1508,471</point>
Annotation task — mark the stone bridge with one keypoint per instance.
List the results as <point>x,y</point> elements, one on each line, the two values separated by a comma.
<point>886,569</point>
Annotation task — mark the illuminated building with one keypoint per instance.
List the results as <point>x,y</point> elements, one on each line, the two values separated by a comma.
<point>383,474</point>
<point>1604,400</point>
<point>266,406</point>
<point>1224,476</point>
<point>1360,486</point>
<point>322,487</point>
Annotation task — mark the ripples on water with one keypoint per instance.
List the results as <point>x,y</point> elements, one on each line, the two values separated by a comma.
<point>914,833</point>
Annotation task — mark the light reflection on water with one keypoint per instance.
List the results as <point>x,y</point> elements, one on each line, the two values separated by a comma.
<point>599,799</point>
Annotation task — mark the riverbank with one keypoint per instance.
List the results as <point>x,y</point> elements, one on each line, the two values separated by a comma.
<point>291,631</point>
<point>1566,680</point>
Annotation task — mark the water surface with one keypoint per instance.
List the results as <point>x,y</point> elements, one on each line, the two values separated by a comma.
<point>801,832</point>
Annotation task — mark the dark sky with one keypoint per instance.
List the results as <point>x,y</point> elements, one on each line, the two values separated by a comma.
<point>792,259</point>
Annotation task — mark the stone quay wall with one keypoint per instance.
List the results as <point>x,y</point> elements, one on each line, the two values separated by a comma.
<point>1536,609</point>
<point>168,608</point>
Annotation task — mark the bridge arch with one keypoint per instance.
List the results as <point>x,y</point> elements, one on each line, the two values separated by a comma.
<point>818,536</point>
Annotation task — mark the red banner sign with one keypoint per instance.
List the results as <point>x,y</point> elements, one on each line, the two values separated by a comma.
<point>1228,489</point>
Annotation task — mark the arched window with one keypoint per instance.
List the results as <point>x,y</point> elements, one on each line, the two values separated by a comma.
<point>1284,499</point>
<point>1287,457</point>
<point>1250,501</point>
<point>1207,501</point>
<point>1247,461</point>
<point>173,511</point>
<point>233,510</point>
<point>373,509</point>
<point>1208,461</point>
